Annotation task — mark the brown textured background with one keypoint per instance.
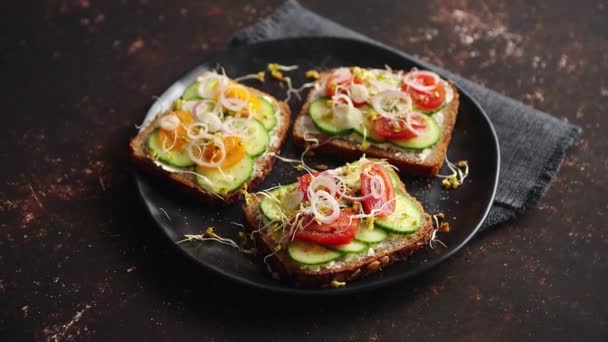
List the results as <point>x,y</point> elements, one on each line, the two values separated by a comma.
<point>81,260</point>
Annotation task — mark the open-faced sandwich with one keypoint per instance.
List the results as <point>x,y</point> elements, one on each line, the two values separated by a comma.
<point>337,225</point>
<point>404,117</point>
<point>219,137</point>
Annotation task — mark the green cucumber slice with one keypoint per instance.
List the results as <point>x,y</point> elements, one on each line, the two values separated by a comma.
<point>266,114</point>
<point>226,180</point>
<point>309,253</point>
<point>270,205</point>
<point>191,93</point>
<point>366,128</point>
<point>430,136</point>
<point>370,235</point>
<point>351,247</point>
<point>406,219</point>
<point>256,137</point>
<point>174,158</point>
<point>323,118</point>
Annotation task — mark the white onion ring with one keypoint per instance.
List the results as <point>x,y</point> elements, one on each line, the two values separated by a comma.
<point>376,102</point>
<point>196,109</point>
<point>217,141</point>
<point>202,133</point>
<point>169,122</point>
<point>322,181</point>
<point>323,198</point>
<point>410,80</point>
<point>234,104</point>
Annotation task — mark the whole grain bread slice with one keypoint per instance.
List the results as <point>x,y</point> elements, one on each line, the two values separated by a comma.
<point>140,154</point>
<point>396,248</point>
<point>408,162</point>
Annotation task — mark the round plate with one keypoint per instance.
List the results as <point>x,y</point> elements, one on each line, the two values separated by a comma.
<point>474,140</point>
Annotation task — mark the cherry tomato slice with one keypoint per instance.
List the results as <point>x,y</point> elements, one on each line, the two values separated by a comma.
<point>397,129</point>
<point>339,232</point>
<point>385,204</point>
<point>304,183</point>
<point>427,101</point>
<point>331,85</point>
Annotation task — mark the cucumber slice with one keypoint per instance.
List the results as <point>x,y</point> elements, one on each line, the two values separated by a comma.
<point>397,183</point>
<point>174,158</point>
<point>370,235</point>
<point>430,136</point>
<point>323,118</point>
<point>266,114</point>
<point>406,219</point>
<point>226,180</point>
<point>351,247</point>
<point>308,253</point>
<point>270,206</point>
<point>257,137</point>
<point>366,128</point>
<point>191,93</point>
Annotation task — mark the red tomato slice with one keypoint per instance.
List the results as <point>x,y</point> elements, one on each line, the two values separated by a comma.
<point>331,84</point>
<point>385,204</point>
<point>339,232</point>
<point>304,183</point>
<point>397,129</point>
<point>427,101</point>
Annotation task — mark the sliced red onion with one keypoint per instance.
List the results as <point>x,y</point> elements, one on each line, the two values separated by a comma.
<point>410,80</point>
<point>377,186</point>
<point>409,122</point>
<point>169,122</point>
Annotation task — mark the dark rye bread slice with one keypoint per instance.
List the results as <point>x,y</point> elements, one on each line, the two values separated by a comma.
<point>405,160</point>
<point>396,248</point>
<point>139,151</point>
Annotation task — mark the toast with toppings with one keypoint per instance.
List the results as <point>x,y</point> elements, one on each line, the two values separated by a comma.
<point>220,137</point>
<point>404,117</point>
<point>335,226</point>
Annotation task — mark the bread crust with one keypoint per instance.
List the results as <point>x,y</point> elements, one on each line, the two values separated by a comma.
<point>407,164</point>
<point>289,271</point>
<point>138,150</point>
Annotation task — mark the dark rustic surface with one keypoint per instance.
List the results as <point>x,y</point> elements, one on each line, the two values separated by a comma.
<point>80,258</point>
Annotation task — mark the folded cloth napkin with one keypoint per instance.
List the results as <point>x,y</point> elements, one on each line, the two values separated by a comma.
<point>532,143</point>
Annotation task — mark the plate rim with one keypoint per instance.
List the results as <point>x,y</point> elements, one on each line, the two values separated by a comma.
<point>380,283</point>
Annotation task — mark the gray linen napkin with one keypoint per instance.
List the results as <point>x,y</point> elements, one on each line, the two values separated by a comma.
<point>532,143</point>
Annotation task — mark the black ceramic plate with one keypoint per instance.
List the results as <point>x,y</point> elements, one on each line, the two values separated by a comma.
<point>474,140</point>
